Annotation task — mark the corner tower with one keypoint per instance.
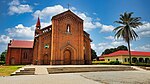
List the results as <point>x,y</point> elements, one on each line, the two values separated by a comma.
<point>38,27</point>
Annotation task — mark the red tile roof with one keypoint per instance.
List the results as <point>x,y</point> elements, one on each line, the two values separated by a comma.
<point>21,44</point>
<point>123,52</point>
<point>101,58</point>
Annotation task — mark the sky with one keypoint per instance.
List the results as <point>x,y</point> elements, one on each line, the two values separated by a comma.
<point>18,19</point>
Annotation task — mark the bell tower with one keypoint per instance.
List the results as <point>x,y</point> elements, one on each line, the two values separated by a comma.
<point>38,27</point>
<point>36,50</point>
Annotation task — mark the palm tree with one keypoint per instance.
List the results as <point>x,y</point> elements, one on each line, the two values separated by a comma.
<point>126,29</point>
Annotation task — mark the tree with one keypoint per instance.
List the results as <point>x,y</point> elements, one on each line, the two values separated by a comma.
<point>122,47</point>
<point>93,54</point>
<point>111,50</point>
<point>3,55</point>
<point>126,29</point>
<point>107,51</point>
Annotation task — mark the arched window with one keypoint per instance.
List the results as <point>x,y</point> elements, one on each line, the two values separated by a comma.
<point>116,59</point>
<point>125,60</point>
<point>68,30</point>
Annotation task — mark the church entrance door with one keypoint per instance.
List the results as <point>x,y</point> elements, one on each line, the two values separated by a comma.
<point>67,57</point>
<point>12,61</point>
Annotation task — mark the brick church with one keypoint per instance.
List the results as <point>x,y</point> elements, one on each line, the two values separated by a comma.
<point>62,43</point>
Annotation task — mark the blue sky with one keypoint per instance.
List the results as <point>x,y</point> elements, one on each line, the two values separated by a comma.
<point>18,19</point>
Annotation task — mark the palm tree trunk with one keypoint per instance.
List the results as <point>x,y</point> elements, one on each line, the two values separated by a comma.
<point>129,52</point>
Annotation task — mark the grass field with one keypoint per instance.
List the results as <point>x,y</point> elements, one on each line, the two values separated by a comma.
<point>7,70</point>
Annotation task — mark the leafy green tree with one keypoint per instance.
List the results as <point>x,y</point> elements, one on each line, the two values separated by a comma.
<point>111,50</point>
<point>93,54</point>
<point>122,47</point>
<point>3,55</point>
<point>126,29</point>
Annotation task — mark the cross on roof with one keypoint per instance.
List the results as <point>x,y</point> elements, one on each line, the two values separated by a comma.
<point>68,6</point>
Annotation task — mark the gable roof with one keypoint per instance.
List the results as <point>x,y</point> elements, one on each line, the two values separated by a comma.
<point>65,13</point>
<point>21,44</point>
<point>123,52</point>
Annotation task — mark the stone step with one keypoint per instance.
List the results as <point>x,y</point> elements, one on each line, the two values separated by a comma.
<point>86,69</point>
<point>29,69</point>
<point>25,71</point>
<point>147,68</point>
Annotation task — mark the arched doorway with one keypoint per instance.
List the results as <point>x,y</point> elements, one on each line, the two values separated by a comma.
<point>45,60</point>
<point>12,60</point>
<point>141,60</point>
<point>67,57</point>
<point>147,60</point>
<point>134,60</point>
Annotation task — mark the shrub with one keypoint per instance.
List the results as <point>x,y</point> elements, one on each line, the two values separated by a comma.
<point>142,64</point>
<point>99,62</point>
<point>2,62</point>
<point>114,62</point>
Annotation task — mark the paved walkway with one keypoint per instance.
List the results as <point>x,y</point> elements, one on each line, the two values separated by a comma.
<point>42,69</point>
<point>119,77</point>
<point>138,68</point>
<point>47,79</point>
<point>111,77</point>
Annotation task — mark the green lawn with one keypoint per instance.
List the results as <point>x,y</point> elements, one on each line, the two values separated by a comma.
<point>7,70</point>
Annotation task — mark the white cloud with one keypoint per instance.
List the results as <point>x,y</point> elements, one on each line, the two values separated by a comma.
<point>14,2</point>
<point>100,47</point>
<point>4,39</point>
<point>3,47</point>
<point>93,46</point>
<point>107,28</point>
<point>118,43</point>
<point>89,23</point>
<point>49,11</point>
<point>98,19</point>
<point>144,30</point>
<point>73,8</point>
<point>16,7</point>
<point>21,31</point>
<point>110,37</point>
<point>19,26</point>
<point>143,48</point>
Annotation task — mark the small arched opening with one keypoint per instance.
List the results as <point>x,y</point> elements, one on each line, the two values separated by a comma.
<point>147,60</point>
<point>141,60</point>
<point>134,60</point>
<point>68,29</point>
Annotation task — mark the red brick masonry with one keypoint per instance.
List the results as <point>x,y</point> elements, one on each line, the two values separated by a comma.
<point>63,42</point>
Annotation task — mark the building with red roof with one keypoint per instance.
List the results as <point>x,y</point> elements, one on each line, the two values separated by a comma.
<point>62,42</point>
<point>19,52</point>
<point>123,56</point>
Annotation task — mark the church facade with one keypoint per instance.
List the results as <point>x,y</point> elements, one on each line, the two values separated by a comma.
<point>63,42</point>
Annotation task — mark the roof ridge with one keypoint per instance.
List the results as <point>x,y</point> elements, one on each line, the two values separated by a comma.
<point>22,40</point>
